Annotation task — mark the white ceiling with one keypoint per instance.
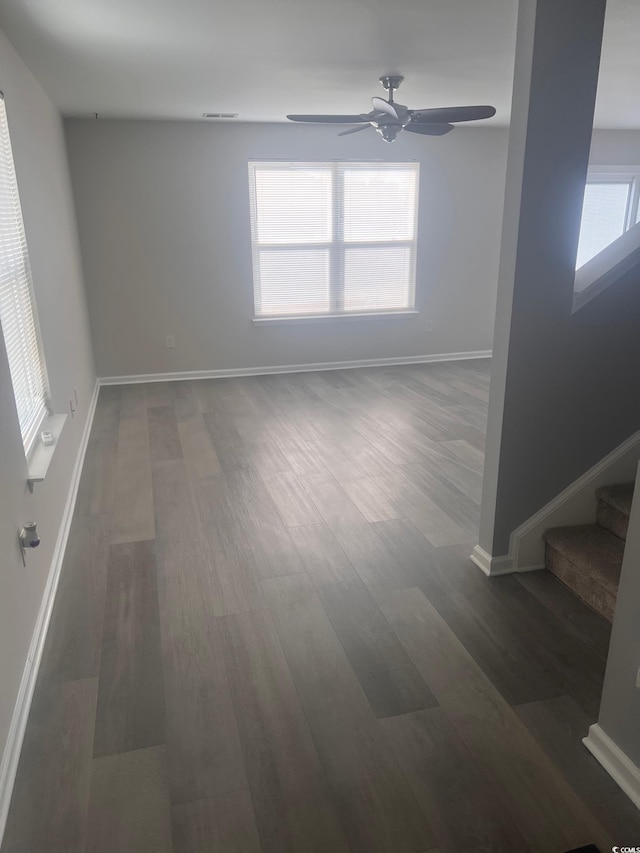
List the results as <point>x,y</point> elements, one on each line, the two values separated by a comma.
<point>265,58</point>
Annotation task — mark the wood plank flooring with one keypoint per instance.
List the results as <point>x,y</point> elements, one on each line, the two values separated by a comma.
<point>268,636</point>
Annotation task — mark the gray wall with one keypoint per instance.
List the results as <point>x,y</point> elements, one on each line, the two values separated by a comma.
<point>560,393</point>
<point>570,401</point>
<point>615,148</point>
<point>41,166</point>
<point>164,224</point>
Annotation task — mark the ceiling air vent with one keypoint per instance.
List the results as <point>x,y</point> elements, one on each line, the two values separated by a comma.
<point>219,115</point>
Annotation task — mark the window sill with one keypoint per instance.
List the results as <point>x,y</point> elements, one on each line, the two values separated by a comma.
<point>340,318</point>
<point>42,454</point>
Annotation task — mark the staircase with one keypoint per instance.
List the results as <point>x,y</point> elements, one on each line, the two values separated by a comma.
<point>588,558</point>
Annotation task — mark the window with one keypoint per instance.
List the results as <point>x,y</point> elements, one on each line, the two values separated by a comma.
<point>333,238</point>
<point>609,209</point>
<point>17,306</point>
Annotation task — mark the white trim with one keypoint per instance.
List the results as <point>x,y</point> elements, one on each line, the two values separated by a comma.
<point>629,174</point>
<point>606,267</point>
<point>617,764</point>
<point>574,505</point>
<point>481,558</point>
<point>38,464</point>
<point>11,755</point>
<point>334,242</point>
<point>131,379</point>
<point>329,318</point>
<point>490,565</point>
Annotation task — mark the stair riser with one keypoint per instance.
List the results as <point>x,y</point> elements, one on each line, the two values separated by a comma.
<point>612,519</point>
<point>601,598</point>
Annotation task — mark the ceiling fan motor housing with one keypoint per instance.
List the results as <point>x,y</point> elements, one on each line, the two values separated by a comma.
<point>391,81</point>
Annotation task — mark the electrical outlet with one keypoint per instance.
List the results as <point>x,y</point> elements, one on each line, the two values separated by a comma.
<point>169,342</point>
<point>428,326</point>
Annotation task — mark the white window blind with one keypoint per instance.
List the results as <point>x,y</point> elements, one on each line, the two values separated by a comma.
<point>17,306</point>
<point>610,208</point>
<point>333,238</point>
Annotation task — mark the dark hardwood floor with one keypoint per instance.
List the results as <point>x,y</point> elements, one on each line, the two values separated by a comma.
<point>268,636</point>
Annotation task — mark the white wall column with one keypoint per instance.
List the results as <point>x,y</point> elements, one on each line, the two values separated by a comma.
<point>556,74</point>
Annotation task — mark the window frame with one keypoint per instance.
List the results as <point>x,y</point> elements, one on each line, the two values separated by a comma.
<point>336,246</point>
<point>629,175</point>
<point>25,311</point>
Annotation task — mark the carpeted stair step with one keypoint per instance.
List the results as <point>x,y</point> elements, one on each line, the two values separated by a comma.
<point>614,507</point>
<point>588,560</point>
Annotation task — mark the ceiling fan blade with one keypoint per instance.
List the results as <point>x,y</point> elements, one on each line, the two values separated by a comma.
<point>333,119</point>
<point>354,129</point>
<point>383,106</point>
<point>429,129</point>
<point>446,114</point>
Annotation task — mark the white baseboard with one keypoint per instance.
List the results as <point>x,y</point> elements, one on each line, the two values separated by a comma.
<point>617,764</point>
<point>574,505</point>
<point>11,755</point>
<point>130,379</point>
<point>490,565</point>
<point>493,566</point>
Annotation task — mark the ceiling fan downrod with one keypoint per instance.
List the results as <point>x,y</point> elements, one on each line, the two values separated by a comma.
<point>389,130</point>
<point>391,83</point>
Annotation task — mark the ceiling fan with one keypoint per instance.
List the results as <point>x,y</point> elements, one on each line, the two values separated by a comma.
<point>388,118</point>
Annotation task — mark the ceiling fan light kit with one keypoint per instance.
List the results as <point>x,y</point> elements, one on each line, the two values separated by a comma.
<point>388,118</point>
